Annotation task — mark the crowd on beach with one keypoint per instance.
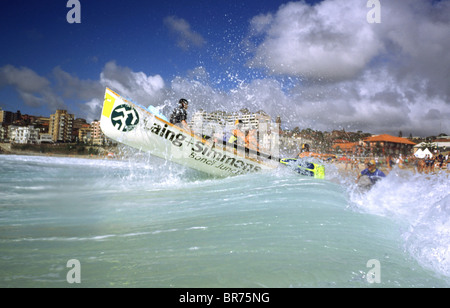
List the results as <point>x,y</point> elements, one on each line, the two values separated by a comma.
<point>427,164</point>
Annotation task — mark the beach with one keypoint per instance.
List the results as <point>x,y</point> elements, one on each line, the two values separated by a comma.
<point>119,152</point>
<point>8,149</point>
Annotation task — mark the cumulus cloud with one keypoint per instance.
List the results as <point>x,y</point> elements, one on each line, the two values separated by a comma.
<point>185,36</point>
<point>130,83</point>
<point>38,91</point>
<point>34,90</point>
<point>72,87</point>
<point>137,86</point>
<point>329,40</point>
<point>381,77</point>
<point>416,33</point>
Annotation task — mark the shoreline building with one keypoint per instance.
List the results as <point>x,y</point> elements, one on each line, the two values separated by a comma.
<point>249,119</point>
<point>60,126</point>
<point>23,134</point>
<point>378,144</point>
<point>387,144</point>
<point>8,117</point>
<point>440,145</point>
<point>220,125</point>
<point>96,135</point>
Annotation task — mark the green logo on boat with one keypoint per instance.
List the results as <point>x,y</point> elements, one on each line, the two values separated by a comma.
<point>124,118</point>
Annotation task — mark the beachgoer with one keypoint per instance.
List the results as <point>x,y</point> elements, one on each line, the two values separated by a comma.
<point>251,141</point>
<point>400,161</point>
<point>346,161</point>
<point>429,163</point>
<point>355,164</point>
<point>306,152</point>
<point>440,160</point>
<point>179,114</point>
<point>372,172</point>
<point>389,162</point>
<point>420,165</point>
<point>237,134</point>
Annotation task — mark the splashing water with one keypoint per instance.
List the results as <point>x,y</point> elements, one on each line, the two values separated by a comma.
<point>145,222</point>
<point>420,204</point>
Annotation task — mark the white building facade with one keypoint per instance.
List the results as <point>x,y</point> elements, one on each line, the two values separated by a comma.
<point>24,135</point>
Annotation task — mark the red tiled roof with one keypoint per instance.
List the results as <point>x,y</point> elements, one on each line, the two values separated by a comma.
<point>441,140</point>
<point>343,146</point>
<point>388,138</point>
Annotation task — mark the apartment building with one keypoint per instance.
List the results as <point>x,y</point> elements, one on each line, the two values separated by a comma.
<point>60,126</point>
<point>8,117</point>
<point>84,133</point>
<point>23,135</point>
<point>97,135</point>
<point>220,124</point>
<point>249,120</point>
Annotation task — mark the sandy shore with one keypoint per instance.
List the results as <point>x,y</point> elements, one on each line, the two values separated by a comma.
<point>348,170</point>
<point>5,148</point>
<point>345,169</point>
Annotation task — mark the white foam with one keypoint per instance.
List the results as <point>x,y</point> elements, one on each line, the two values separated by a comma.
<point>420,204</point>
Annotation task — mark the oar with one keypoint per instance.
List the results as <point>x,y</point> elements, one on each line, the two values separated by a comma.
<point>304,170</point>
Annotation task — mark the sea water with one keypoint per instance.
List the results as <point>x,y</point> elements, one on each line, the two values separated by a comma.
<point>143,222</point>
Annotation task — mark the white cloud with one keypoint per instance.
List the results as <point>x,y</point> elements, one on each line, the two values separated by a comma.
<point>185,36</point>
<point>38,91</point>
<point>137,86</point>
<point>129,83</point>
<point>34,90</point>
<point>330,40</point>
<point>355,75</point>
<point>416,33</point>
<point>72,87</point>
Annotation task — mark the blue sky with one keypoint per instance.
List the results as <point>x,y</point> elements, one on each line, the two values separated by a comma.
<point>133,33</point>
<point>318,64</point>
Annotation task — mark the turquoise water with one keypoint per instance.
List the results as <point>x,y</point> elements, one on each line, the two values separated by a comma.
<point>146,223</point>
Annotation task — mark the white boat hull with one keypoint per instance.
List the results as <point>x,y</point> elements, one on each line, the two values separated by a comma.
<point>135,126</point>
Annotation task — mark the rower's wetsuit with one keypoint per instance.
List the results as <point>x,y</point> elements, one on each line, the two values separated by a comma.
<point>373,176</point>
<point>179,114</point>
